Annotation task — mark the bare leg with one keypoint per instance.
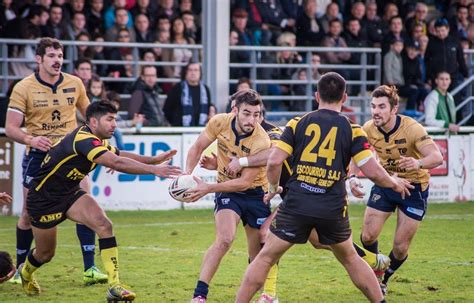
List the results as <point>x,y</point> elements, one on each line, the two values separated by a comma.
<point>45,241</point>
<point>253,241</point>
<point>373,224</point>
<point>257,271</point>
<point>404,234</point>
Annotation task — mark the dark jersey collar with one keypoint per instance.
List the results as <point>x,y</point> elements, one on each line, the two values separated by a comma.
<point>392,131</point>
<point>237,136</point>
<point>53,87</point>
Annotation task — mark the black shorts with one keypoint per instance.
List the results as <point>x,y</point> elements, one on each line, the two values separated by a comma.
<point>46,211</point>
<point>248,205</point>
<point>31,165</point>
<point>296,228</point>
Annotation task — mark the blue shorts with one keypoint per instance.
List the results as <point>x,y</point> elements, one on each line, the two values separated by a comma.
<point>31,165</point>
<point>387,200</point>
<point>248,205</point>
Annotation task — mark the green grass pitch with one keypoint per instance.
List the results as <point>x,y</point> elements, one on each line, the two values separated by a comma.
<point>160,254</point>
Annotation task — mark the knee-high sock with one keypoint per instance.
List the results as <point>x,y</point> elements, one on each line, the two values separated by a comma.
<point>202,289</point>
<point>24,238</point>
<point>87,239</point>
<point>109,256</point>
<point>30,266</point>
<point>394,265</point>
<point>271,282</point>
<point>367,255</point>
<point>374,247</point>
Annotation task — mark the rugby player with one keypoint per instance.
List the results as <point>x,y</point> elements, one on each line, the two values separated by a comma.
<point>238,197</point>
<point>55,194</point>
<point>321,144</point>
<point>46,102</point>
<point>404,148</point>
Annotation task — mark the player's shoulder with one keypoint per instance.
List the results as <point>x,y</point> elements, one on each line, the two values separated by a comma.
<point>83,133</point>
<point>221,120</point>
<point>26,82</point>
<point>410,123</point>
<point>71,79</point>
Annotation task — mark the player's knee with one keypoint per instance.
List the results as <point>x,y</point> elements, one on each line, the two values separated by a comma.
<point>44,256</point>
<point>368,237</point>
<point>224,243</point>
<point>24,221</point>
<point>104,226</point>
<point>400,249</point>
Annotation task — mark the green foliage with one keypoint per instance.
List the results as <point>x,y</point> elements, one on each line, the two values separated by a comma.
<point>161,253</point>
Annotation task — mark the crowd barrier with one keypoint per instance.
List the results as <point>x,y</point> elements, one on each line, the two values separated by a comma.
<point>450,182</point>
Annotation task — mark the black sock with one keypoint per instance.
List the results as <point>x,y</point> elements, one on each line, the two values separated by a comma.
<point>33,260</point>
<point>202,289</point>
<point>24,238</point>
<point>394,265</point>
<point>374,247</point>
<point>87,239</point>
<point>359,251</point>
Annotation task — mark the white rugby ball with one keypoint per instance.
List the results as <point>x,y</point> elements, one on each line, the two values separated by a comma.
<point>180,185</point>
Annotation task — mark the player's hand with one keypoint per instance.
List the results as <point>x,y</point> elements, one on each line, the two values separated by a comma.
<point>402,186</point>
<point>356,187</point>
<point>208,162</point>
<point>165,156</point>
<point>196,193</point>
<point>110,170</point>
<point>269,196</point>
<point>167,171</point>
<point>234,167</point>
<point>5,198</point>
<point>41,143</point>
<point>9,275</point>
<point>408,163</point>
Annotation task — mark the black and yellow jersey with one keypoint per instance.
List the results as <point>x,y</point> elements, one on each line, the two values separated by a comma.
<point>69,161</point>
<point>49,110</point>
<point>229,144</point>
<point>274,132</point>
<point>322,144</point>
<point>405,139</point>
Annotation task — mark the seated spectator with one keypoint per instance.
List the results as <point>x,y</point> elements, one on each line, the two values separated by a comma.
<point>163,24</point>
<point>244,37</point>
<point>192,30</point>
<point>147,8</point>
<point>77,26</point>
<point>20,27</point>
<point>96,89</point>
<point>242,84</point>
<point>260,31</point>
<point>8,11</point>
<point>287,37</point>
<point>114,98</point>
<point>334,39</point>
<point>83,70</point>
<point>315,62</point>
<point>143,31</point>
<point>358,12</point>
<point>148,55</point>
<point>309,31</point>
<point>95,21</point>
<point>440,110</point>
<point>145,99</point>
<point>177,55</point>
<point>460,22</point>
<point>119,54</point>
<point>375,27</point>
<point>332,12</point>
<point>166,7</point>
<point>396,32</point>
<point>274,17</point>
<point>98,51</point>
<point>109,14</point>
<point>420,18</point>
<point>56,27</point>
<point>121,22</point>
<point>84,50</point>
<point>470,8</point>
<point>299,90</point>
<point>185,6</point>
<point>189,101</point>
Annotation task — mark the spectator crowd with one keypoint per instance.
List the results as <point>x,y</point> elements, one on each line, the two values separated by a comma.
<point>422,44</point>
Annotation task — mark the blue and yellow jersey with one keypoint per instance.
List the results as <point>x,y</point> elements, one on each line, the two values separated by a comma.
<point>322,144</point>
<point>69,161</point>
<point>405,139</point>
<point>229,144</point>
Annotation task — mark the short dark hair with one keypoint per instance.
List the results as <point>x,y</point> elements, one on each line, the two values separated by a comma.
<point>440,22</point>
<point>44,43</point>
<point>248,96</point>
<point>443,71</point>
<point>184,71</point>
<point>36,10</point>
<point>390,92</point>
<point>6,264</point>
<point>244,80</point>
<point>142,72</point>
<point>331,87</point>
<point>113,96</point>
<point>99,109</point>
<point>82,60</point>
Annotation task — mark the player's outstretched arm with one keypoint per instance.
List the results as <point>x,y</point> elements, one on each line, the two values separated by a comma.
<point>432,158</point>
<point>13,130</point>
<point>130,166</point>
<point>195,152</point>
<point>158,159</point>
<point>275,160</point>
<point>375,172</point>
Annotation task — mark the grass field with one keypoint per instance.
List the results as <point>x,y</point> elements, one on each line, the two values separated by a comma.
<point>161,252</point>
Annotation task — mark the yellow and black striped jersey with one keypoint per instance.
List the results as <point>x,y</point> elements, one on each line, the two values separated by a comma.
<point>405,139</point>
<point>69,161</point>
<point>322,144</point>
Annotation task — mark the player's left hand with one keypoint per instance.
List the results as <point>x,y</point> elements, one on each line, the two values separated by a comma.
<point>269,196</point>
<point>165,156</point>
<point>9,275</point>
<point>234,167</point>
<point>198,192</point>
<point>408,163</point>
<point>5,198</point>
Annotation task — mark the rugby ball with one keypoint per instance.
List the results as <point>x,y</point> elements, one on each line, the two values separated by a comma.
<point>177,189</point>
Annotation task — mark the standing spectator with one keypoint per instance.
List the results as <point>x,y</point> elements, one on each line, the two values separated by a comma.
<point>460,22</point>
<point>178,55</point>
<point>374,25</point>
<point>189,101</point>
<point>309,31</point>
<point>121,21</point>
<point>332,12</point>
<point>421,12</point>
<point>440,110</point>
<point>445,53</point>
<point>145,99</point>
<point>77,26</point>
<point>56,27</point>
<point>142,29</point>
<point>95,21</point>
